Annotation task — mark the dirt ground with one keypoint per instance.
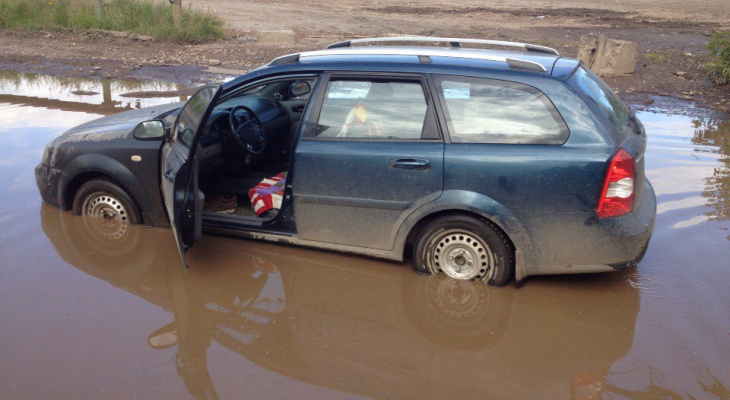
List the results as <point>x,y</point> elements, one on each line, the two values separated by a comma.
<point>672,36</point>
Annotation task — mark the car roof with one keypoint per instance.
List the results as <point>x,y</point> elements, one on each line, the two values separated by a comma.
<point>535,59</point>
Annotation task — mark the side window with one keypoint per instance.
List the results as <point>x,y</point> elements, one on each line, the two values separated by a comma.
<point>372,109</point>
<point>191,116</point>
<point>608,103</point>
<point>492,111</point>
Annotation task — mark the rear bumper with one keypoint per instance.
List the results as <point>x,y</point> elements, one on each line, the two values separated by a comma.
<point>47,179</point>
<point>584,243</point>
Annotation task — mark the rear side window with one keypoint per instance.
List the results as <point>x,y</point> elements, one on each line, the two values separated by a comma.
<point>372,109</point>
<point>608,104</point>
<point>492,111</point>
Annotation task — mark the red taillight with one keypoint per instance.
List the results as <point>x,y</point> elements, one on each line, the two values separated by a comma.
<point>617,196</point>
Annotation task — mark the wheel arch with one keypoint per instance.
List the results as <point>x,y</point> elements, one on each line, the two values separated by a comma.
<point>470,204</point>
<point>88,167</point>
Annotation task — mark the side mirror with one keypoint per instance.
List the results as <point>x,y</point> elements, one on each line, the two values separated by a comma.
<point>150,130</point>
<point>299,88</point>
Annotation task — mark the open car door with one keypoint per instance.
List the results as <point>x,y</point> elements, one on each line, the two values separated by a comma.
<point>179,169</point>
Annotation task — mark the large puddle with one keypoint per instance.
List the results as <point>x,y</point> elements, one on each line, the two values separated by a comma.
<point>85,317</point>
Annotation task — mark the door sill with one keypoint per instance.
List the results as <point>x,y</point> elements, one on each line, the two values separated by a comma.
<point>236,218</point>
<point>240,224</point>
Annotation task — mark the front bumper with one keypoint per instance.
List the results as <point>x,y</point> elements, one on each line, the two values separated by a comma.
<point>47,179</point>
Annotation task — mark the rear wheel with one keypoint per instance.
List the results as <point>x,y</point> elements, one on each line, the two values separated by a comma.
<point>106,206</point>
<point>463,247</point>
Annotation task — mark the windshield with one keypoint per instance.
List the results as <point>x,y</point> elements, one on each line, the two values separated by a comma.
<point>612,108</point>
<point>192,115</point>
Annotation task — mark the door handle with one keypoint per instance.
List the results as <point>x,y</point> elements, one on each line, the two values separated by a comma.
<point>169,175</point>
<point>417,164</point>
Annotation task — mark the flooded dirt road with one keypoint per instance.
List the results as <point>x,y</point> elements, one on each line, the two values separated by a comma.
<point>85,316</point>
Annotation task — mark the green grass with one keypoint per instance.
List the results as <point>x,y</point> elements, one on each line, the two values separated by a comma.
<point>656,57</point>
<point>142,17</point>
<point>719,67</point>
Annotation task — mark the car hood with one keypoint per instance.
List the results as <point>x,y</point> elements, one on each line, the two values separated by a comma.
<point>126,120</point>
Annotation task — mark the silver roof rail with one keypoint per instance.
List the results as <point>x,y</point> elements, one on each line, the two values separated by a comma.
<point>420,52</point>
<point>454,42</point>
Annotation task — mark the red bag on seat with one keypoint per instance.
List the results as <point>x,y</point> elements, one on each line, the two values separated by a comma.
<point>268,194</point>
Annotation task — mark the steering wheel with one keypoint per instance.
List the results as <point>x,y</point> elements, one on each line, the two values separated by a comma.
<point>248,131</point>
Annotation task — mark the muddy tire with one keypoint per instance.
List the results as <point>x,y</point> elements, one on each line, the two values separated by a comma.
<point>107,206</point>
<point>463,247</point>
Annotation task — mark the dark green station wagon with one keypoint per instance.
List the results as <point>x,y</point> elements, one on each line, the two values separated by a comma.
<point>480,159</point>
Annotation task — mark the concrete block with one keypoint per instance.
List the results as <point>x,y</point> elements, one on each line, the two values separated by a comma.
<point>608,57</point>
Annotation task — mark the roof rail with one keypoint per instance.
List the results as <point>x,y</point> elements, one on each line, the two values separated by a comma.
<point>454,42</point>
<point>422,53</point>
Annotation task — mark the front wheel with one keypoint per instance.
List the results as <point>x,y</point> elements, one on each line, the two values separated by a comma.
<point>463,247</point>
<point>107,207</point>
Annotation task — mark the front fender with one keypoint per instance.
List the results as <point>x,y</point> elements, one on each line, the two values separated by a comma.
<point>105,165</point>
<point>474,203</point>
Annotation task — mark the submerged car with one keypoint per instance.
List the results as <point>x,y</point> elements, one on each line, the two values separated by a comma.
<point>479,163</point>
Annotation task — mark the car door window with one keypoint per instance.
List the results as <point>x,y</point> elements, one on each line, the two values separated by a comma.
<point>493,111</point>
<point>372,109</point>
<point>191,117</point>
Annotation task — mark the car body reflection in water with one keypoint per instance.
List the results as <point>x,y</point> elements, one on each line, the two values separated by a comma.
<point>360,326</point>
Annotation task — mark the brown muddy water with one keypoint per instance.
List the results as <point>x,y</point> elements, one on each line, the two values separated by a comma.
<point>83,316</point>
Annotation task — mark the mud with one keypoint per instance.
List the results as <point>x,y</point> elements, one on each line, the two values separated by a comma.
<point>90,313</point>
<point>587,16</point>
<point>587,13</point>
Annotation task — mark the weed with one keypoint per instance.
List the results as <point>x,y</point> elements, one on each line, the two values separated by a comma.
<point>143,17</point>
<point>719,67</point>
<point>656,57</point>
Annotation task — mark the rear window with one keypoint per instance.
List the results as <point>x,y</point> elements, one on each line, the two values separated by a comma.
<point>492,111</point>
<point>608,104</point>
